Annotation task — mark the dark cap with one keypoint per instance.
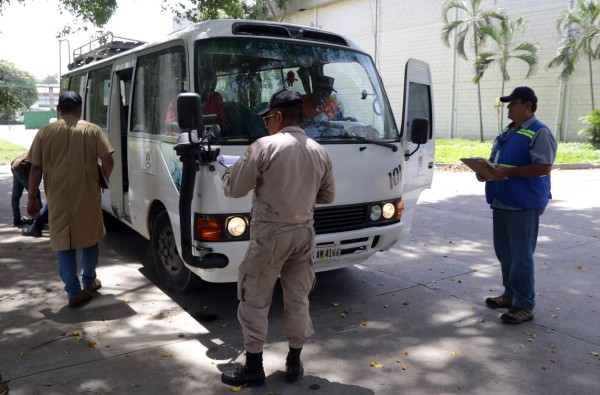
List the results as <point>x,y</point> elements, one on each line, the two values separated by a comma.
<point>525,93</point>
<point>282,99</point>
<point>69,99</point>
<point>324,82</point>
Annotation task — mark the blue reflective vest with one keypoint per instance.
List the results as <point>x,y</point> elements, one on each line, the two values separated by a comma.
<point>512,150</point>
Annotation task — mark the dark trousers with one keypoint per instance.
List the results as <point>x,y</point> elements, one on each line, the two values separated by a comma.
<point>20,183</point>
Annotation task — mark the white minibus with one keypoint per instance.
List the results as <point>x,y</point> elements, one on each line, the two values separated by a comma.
<point>173,107</point>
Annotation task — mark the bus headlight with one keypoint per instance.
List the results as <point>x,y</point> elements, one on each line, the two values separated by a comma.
<point>375,214</point>
<point>236,226</point>
<point>388,210</point>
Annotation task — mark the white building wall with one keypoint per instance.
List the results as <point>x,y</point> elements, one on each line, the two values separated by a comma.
<point>409,29</point>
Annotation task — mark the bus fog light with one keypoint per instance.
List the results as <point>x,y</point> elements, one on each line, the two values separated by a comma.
<point>388,210</point>
<point>236,226</point>
<point>375,213</point>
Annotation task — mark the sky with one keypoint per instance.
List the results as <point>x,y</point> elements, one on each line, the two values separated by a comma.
<point>28,33</point>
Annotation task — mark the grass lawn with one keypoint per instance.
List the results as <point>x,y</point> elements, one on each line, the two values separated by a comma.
<point>446,151</point>
<point>451,150</point>
<point>9,151</point>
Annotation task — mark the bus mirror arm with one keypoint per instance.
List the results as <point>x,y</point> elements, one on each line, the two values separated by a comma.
<point>189,154</point>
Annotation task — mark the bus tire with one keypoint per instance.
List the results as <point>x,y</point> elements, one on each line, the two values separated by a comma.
<point>171,270</point>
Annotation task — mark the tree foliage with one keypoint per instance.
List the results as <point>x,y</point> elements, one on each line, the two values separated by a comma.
<point>17,90</point>
<point>504,37</point>
<point>469,29</point>
<point>202,10</point>
<point>582,24</point>
<point>49,79</point>
<point>85,12</point>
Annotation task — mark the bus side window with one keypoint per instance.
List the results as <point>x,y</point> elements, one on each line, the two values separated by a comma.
<point>159,78</point>
<point>98,95</point>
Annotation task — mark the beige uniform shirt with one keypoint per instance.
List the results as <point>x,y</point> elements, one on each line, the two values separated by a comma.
<point>289,173</point>
<point>68,152</point>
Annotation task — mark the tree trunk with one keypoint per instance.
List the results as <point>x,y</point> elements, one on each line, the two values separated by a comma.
<point>501,108</point>
<point>480,113</point>
<point>591,81</point>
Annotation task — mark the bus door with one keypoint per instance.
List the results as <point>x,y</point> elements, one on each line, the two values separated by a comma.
<point>119,180</point>
<point>417,171</point>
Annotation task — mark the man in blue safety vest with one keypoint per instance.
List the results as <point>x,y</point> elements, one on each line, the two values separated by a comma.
<point>518,190</point>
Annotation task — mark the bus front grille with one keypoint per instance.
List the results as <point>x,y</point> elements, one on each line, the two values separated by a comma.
<point>340,218</point>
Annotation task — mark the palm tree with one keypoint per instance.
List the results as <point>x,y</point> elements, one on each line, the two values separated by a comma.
<point>468,28</point>
<point>582,25</point>
<point>504,35</point>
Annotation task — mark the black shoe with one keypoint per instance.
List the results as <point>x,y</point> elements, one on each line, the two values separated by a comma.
<point>242,376</point>
<point>293,372</point>
<point>517,316</point>
<point>22,221</point>
<point>31,232</point>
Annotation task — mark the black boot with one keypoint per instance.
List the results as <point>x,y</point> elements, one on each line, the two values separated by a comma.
<point>293,365</point>
<point>251,374</point>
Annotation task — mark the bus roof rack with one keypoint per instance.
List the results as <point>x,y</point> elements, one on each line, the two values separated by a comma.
<point>100,48</point>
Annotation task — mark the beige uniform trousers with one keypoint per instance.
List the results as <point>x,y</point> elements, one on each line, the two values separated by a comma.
<point>276,250</point>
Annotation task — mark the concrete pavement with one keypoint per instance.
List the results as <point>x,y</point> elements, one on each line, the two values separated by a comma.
<point>417,312</point>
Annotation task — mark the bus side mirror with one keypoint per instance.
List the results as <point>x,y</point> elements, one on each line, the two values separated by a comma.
<point>419,132</point>
<point>189,111</point>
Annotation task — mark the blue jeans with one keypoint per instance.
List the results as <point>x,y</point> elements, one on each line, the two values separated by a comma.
<point>67,265</point>
<point>42,220</point>
<point>515,238</point>
<point>20,183</point>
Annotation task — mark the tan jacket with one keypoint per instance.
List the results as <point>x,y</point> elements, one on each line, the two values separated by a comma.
<point>68,152</point>
<point>289,173</point>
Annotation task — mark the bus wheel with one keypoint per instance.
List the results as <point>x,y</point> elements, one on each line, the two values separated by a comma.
<point>170,268</point>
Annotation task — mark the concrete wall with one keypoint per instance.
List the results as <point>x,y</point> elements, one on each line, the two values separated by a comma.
<point>393,31</point>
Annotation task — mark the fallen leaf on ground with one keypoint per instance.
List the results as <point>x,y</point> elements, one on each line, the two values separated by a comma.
<point>335,304</point>
<point>405,353</point>
<point>404,367</point>
<point>223,325</point>
<point>553,360</point>
<point>237,389</point>
<point>454,353</point>
<point>363,324</point>
<point>21,354</point>
<point>544,367</point>
<point>91,344</point>
<point>376,364</point>
<point>167,355</point>
<point>342,314</point>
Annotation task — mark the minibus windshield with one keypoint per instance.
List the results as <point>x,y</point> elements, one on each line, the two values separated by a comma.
<point>340,89</point>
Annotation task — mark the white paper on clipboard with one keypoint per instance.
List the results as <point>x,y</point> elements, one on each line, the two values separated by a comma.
<point>227,160</point>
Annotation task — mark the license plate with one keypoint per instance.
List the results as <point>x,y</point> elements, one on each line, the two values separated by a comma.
<point>327,254</point>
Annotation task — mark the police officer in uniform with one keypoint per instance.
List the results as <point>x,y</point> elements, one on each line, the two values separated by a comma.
<point>289,173</point>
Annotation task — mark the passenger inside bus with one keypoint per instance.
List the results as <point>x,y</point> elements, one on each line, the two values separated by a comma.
<point>213,109</point>
<point>319,105</point>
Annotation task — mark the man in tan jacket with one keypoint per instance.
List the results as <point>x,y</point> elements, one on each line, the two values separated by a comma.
<point>66,154</point>
<point>289,174</point>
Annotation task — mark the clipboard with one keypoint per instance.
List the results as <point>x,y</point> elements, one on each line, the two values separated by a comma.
<point>480,166</point>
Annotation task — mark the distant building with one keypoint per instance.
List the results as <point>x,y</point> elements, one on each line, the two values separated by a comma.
<point>47,97</point>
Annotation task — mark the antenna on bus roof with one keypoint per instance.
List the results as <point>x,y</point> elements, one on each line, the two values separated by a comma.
<point>100,48</point>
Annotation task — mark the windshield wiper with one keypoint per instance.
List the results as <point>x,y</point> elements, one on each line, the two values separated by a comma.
<point>363,140</point>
